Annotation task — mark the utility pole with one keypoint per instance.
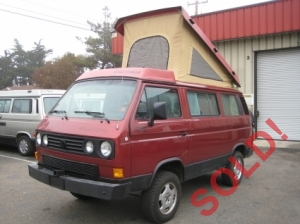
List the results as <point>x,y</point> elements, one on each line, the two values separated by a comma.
<point>196,5</point>
<point>106,14</point>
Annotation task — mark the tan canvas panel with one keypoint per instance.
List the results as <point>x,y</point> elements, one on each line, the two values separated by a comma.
<point>188,52</point>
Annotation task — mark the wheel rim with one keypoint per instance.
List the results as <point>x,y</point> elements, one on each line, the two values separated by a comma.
<point>237,167</point>
<point>167,198</point>
<point>23,146</point>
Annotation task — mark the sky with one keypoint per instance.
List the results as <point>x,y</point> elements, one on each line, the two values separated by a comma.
<point>30,21</point>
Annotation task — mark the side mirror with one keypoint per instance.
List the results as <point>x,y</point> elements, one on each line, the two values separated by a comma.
<point>159,112</point>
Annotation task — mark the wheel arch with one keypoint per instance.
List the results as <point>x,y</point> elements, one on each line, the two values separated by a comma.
<point>242,148</point>
<point>173,165</point>
<point>21,133</point>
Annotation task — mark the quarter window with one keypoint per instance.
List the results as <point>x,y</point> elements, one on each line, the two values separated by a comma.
<point>49,102</point>
<point>202,104</point>
<point>153,94</point>
<point>230,105</point>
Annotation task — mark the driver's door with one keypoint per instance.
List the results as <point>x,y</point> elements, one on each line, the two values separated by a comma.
<point>165,139</point>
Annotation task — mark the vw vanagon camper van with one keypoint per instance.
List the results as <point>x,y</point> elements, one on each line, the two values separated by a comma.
<point>170,114</point>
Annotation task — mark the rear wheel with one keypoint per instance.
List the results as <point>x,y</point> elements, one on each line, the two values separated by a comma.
<point>160,202</point>
<point>80,196</point>
<point>25,146</point>
<point>236,168</point>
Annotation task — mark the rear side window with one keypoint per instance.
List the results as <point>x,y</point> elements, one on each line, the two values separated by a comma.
<point>153,94</point>
<point>4,105</point>
<point>202,104</point>
<point>230,105</point>
<point>21,106</point>
<point>244,104</point>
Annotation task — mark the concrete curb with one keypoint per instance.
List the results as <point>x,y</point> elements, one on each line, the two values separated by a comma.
<point>279,144</point>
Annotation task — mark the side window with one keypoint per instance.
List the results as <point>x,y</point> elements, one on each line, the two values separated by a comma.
<point>153,94</point>
<point>230,105</point>
<point>21,106</point>
<point>4,105</point>
<point>202,104</point>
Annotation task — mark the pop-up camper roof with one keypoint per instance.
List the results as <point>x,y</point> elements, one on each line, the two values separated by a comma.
<point>169,39</point>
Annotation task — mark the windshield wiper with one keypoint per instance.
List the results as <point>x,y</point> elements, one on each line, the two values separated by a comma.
<point>89,113</point>
<point>59,112</point>
<point>93,113</point>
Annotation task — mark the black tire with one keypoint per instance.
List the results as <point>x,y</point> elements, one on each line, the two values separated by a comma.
<point>166,184</point>
<point>80,196</point>
<point>25,146</point>
<point>233,167</point>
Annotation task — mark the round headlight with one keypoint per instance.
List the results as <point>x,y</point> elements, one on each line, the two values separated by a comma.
<point>106,149</point>
<point>45,140</point>
<point>89,147</point>
<point>38,138</point>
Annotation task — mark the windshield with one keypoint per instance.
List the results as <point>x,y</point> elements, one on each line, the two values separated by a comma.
<point>107,99</point>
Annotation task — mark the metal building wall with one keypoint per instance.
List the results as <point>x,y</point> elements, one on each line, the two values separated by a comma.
<point>240,54</point>
<point>278,16</point>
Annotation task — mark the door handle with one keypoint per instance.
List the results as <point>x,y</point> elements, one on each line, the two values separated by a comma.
<point>183,133</point>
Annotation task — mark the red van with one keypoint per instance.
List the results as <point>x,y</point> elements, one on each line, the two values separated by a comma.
<point>118,131</point>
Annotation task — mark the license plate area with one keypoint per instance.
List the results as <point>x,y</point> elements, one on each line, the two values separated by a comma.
<point>57,182</point>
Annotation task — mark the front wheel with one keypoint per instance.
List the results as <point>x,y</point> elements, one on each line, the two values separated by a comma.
<point>236,168</point>
<point>25,146</point>
<point>160,202</point>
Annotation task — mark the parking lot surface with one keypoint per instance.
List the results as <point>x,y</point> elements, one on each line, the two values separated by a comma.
<point>270,195</point>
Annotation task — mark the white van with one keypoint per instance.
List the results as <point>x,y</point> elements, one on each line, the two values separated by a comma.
<point>20,113</point>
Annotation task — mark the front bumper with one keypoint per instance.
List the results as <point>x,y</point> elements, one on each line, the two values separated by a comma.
<point>96,189</point>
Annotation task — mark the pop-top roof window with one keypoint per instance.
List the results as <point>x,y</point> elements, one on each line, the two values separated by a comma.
<point>201,68</point>
<point>151,52</point>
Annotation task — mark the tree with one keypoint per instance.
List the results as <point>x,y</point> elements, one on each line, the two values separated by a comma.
<point>18,65</point>
<point>6,70</point>
<point>61,72</point>
<point>99,47</point>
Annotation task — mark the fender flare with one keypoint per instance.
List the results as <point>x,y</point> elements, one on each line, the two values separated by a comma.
<point>160,164</point>
<point>238,145</point>
<point>23,133</point>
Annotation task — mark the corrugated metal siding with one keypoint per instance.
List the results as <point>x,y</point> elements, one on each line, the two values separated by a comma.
<point>256,20</point>
<point>240,54</point>
<point>278,92</point>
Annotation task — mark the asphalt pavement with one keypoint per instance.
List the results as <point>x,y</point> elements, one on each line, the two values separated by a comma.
<point>271,194</point>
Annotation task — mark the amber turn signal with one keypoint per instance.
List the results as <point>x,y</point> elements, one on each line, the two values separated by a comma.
<point>118,173</point>
<point>36,155</point>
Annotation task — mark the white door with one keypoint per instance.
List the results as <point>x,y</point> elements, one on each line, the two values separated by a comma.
<point>278,92</point>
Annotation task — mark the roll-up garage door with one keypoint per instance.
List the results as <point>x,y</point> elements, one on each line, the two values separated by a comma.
<point>278,92</point>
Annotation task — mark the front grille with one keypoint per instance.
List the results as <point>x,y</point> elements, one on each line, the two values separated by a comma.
<point>65,142</point>
<point>71,167</point>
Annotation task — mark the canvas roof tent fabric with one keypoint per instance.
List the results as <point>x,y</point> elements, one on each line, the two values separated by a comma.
<point>169,39</point>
